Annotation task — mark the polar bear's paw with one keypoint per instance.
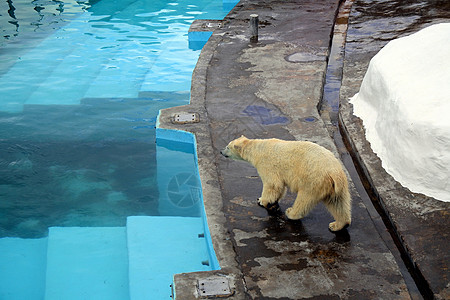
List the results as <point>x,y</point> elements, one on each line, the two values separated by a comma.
<point>262,203</point>
<point>336,226</point>
<point>292,215</point>
<point>273,209</point>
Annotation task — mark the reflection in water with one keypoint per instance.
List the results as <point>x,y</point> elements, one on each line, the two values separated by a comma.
<point>22,16</point>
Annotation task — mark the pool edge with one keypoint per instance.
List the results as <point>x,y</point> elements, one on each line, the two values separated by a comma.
<point>185,284</point>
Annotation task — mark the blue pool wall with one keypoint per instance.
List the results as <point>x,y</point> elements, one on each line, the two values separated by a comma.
<point>197,39</point>
<point>178,136</point>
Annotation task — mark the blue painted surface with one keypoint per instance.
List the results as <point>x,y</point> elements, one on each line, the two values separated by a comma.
<point>22,268</point>
<point>133,262</point>
<point>160,247</point>
<point>80,151</point>
<point>188,142</point>
<point>178,181</point>
<point>264,115</point>
<point>87,261</point>
<point>197,39</point>
<point>175,135</point>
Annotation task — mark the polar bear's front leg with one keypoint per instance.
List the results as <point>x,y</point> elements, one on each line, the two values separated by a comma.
<point>271,194</point>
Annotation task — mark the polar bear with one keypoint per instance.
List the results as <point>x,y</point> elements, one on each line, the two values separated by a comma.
<point>306,168</point>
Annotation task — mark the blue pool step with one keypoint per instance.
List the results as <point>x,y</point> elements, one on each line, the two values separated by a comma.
<point>86,261</point>
<point>133,262</point>
<point>160,247</point>
<point>22,268</point>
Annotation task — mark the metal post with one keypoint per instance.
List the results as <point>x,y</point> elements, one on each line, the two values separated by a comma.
<point>254,28</point>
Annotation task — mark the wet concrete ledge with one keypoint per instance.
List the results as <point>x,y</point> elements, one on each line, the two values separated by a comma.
<point>186,285</point>
<point>420,224</point>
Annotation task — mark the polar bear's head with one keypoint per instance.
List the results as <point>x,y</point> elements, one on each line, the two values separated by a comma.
<point>234,149</point>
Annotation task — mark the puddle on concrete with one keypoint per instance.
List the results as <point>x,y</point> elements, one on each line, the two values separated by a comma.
<point>309,119</point>
<point>264,115</point>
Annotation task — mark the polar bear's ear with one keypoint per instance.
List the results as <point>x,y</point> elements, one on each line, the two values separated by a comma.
<point>243,136</point>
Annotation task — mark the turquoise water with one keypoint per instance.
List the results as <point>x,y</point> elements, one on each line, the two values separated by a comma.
<point>114,49</point>
<point>88,189</point>
<point>78,109</point>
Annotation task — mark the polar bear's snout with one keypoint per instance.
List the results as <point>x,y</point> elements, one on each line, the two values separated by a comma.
<point>227,152</point>
<point>234,148</point>
<point>223,153</point>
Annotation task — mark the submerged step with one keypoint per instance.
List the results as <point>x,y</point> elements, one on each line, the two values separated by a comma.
<point>87,262</point>
<point>200,31</point>
<point>158,248</point>
<point>172,70</point>
<point>22,268</point>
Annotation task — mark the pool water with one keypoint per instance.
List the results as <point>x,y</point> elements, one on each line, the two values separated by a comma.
<point>78,112</point>
<point>81,84</point>
<point>114,49</point>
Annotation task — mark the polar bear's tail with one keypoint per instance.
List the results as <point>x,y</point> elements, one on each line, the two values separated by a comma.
<point>339,203</point>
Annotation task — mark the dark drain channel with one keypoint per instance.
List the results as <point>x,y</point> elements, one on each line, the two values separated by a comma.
<point>329,111</point>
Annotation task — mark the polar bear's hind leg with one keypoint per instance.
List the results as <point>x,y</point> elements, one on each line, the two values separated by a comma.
<point>302,206</point>
<point>340,209</point>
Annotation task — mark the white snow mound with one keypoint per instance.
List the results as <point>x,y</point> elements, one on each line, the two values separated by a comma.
<point>404,102</point>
